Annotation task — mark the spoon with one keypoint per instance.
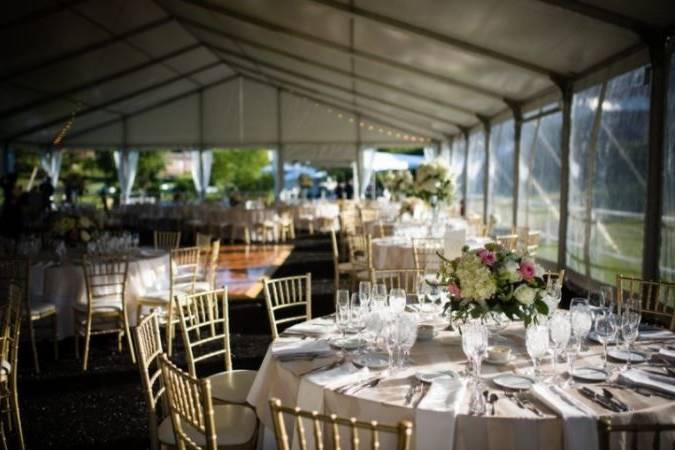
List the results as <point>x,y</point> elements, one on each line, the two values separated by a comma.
<point>493,399</point>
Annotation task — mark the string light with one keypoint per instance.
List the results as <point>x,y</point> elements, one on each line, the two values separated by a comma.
<point>68,125</point>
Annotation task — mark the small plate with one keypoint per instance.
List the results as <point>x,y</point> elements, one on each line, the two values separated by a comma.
<point>430,376</point>
<point>591,374</point>
<point>623,355</point>
<point>347,343</point>
<point>514,381</point>
<point>500,363</point>
<point>374,361</point>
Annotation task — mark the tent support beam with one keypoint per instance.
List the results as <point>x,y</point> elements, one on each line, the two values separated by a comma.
<point>566,87</point>
<point>40,13</point>
<point>409,28</point>
<point>329,84</point>
<point>329,67</point>
<point>280,175</point>
<point>90,84</point>
<point>365,56</point>
<point>100,106</point>
<point>517,111</point>
<point>485,121</point>
<point>660,54</point>
<point>85,49</point>
<point>465,188</point>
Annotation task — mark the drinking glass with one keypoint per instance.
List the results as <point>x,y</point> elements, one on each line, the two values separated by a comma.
<point>552,298</point>
<point>357,315</point>
<point>474,345</point>
<point>397,300</point>
<point>407,324</point>
<point>342,313</point>
<point>630,326</point>
<point>560,329</point>
<point>391,343</point>
<point>364,293</point>
<point>537,343</point>
<point>606,294</point>
<point>605,330</point>
<point>379,296</point>
<point>582,322</point>
<point>571,353</point>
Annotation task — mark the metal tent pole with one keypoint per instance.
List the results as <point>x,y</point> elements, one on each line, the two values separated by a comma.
<point>517,112</point>
<point>486,179</point>
<point>567,93</point>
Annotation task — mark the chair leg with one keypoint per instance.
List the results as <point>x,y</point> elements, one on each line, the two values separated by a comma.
<point>169,329</point>
<point>87,338</point>
<point>33,344</point>
<point>127,332</point>
<point>76,334</point>
<point>16,416</point>
<point>55,336</point>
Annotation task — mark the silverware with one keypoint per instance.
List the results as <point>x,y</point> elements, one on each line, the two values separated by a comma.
<point>531,406</point>
<point>511,396</point>
<point>611,397</point>
<point>371,384</point>
<point>425,386</point>
<point>324,367</point>
<point>353,385</point>
<point>598,399</point>
<point>414,382</point>
<point>493,399</point>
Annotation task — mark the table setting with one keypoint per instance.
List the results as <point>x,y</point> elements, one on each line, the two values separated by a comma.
<point>525,375</point>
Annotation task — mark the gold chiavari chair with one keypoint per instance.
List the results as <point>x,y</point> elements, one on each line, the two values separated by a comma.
<point>657,299</point>
<point>623,434</point>
<point>284,293</point>
<point>532,243</point>
<point>508,241</point>
<point>203,241</point>
<point>209,280</point>
<point>9,356</point>
<point>166,240</point>
<point>425,253</point>
<point>286,225</point>
<point>335,428</point>
<point>476,223</point>
<point>17,270</point>
<point>197,424</point>
<point>555,277</point>
<point>205,327</point>
<point>348,222</point>
<point>396,278</point>
<point>184,265</point>
<point>148,349</point>
<point>106,310</point>
<point>360,256</point>
<point>339,268</point>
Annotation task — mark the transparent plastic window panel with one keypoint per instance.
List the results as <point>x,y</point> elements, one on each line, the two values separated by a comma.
<point>457,161</point>
<point>668,220</point>
<point>476,175</point>
<point>501,175</point>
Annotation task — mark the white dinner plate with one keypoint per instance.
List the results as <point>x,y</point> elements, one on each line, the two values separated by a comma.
<point>347,343</point>
<point>514,381</point>
<point>592,374</point>
<point>431,375</point>
<point>374,361</point>
<point>620,354</point>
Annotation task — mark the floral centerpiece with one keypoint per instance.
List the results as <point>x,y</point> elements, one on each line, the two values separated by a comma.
<point>74,229</point>
<point>398,182</point>
<point>433,183</point>
<point>409,205</point>
<point>493,280</point>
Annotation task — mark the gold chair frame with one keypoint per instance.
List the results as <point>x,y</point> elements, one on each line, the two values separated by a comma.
<point>651,295</point>
<point>396,278</point>
<point>425,253</point>
<point>606,429</point>
<point>9,351</point>
<point>167,240</point>
<point>289,292</point>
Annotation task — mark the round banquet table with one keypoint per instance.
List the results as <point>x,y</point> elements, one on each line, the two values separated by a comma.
<point>510,428</point>
<point>397,252</point>
<point>64,284</point>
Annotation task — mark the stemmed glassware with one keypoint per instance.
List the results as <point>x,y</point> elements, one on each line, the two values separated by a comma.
<point>379,296</point>
<point>552,297</point>
<point>342,311</point>
<point>582,321</point>
<point>630,328</point>
<point>364,293</point>
<point>537,343</point>
<point>407,324</point>
<point>397,300</point>
<point>560,329</point>
<point>474,345</point>
<point>605,330</point>
<point>357,315</point>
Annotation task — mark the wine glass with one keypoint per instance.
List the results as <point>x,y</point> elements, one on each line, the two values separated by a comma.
<point>582,322</point>
<point>605,330</point>
<point>379,296</point>
<point>474,344</point>
<point>630,328</point>
<point>397,300</point>
<point>571,353</point>
<point>552,297</point>
<point>560,329</point>
<point>537,343</point>
<point>407,335</point>
<point>342,313</point>
<point>364,293</point>
<point>356,315</point>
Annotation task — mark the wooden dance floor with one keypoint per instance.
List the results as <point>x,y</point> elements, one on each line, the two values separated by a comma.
<point>242,268</point>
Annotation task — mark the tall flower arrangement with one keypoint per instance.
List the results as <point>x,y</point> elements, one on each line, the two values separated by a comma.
<point>399,183</point>
<point>74,229</point>
<point>494,280</point>
<point>433,182</point>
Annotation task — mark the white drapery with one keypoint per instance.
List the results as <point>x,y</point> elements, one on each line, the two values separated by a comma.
<point>446,152</point>
<point>126,162</point>
<point>429,153</point>
<point>51,163</point>
<point>202,160</point>
<point>367,156</point>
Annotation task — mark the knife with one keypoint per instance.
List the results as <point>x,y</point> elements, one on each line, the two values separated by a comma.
<point>612,398</point>
<point>600,400</point>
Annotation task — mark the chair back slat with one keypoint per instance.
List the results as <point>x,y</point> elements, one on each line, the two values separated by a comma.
<point>184,268</point>
<point>289,292</point>
<point>166,240</point>
<point>105,279</point>
<point>426,251</point>
<point>508,241</point>
<point>657,299</point>
<point>360,250</point>
<point>354,430</point>
<point>396,278</point>
<point>190,404</point>
<point>632,435</point>
<point>204,319</point>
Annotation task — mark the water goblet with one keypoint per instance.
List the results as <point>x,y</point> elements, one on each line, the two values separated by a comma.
<point>407,323</point>
<point>342,312</point>
<point>560,329</point>
<point>397,300</point>
<point>364,293</point>
<point>582,322</point>
<point>537,343</point>
<point>605,330</point>
<point>630,326</point>
<point>379,296</point>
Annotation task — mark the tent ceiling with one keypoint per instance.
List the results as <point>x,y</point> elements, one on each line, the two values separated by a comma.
<point>421,68</point>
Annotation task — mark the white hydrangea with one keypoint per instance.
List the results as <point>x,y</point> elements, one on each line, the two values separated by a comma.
<point>525,294</point>
<point>475,279</point>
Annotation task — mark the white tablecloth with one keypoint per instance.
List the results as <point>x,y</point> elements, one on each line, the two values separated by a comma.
<point>511,428</point>
<point>64,285</point>
<point>397,253</point>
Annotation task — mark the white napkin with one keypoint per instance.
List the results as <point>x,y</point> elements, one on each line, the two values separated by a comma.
<point>667,354</point>
<point>436,414</point>
<point>316,328</point>
<point>579,421</point>
<point>655,334</point>
<point>637,377</point>
<point>285,347</point>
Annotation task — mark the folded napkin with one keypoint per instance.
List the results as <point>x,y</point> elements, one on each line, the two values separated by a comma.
<point>314,327</point>
<point>288,347</point>
<point>655,334</point>
<point>667,354</point>
<point>436,414</point>
<point>579,421</point>
<point>637,377</point>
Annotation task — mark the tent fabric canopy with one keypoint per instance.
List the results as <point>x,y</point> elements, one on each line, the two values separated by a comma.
<point>319,77</point>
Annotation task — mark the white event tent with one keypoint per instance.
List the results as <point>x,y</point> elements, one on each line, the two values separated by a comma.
<point>540,106</point>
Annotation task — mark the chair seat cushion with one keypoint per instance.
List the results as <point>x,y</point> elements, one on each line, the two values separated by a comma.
<point>41,310</point>
<point>345,267</point>
<point>232,386</point>
<point>203,286</point>
<point>235,425</point>
<point>100,307</point>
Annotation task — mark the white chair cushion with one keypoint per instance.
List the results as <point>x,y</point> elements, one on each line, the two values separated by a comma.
<point>203,286</point>
<point>40,310</point>
<point>102,307</point>
<point>232,386</point>
<point>345,267</point>
<point>235,425</point>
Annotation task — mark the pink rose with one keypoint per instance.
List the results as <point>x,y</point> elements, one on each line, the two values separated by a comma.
<point>454,290</point>
<point>527,270</point>
<point>488,257</point>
